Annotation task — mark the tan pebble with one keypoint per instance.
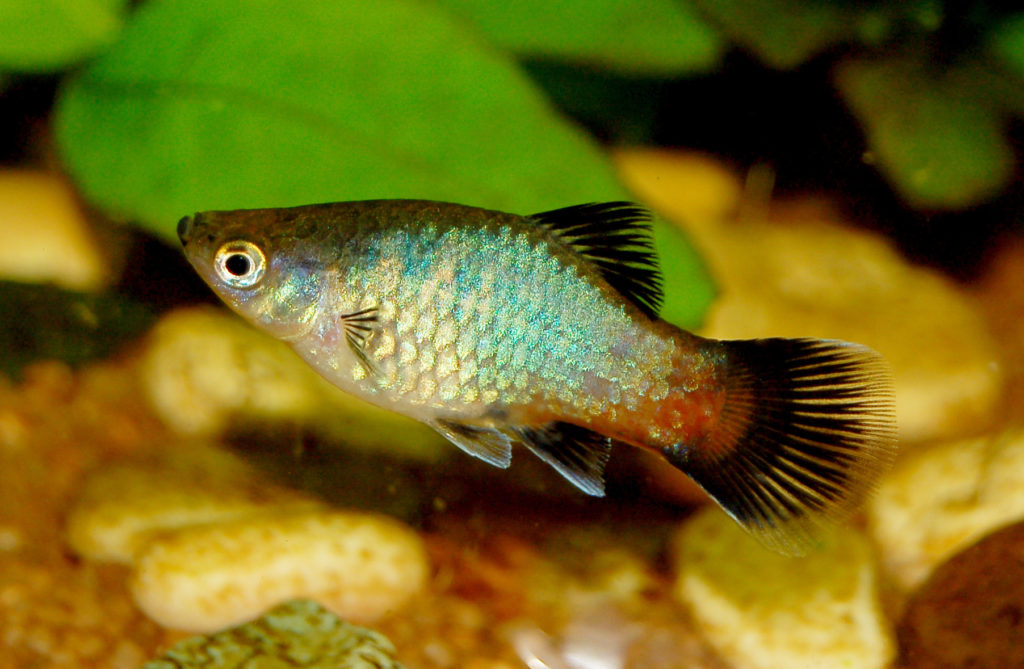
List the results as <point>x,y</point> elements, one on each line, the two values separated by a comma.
<point>939,500</point>
<point>759,609</point>
<point>43,233</point>
<point>122,506</point>
<point>203,370</point>
<point>202,579</point>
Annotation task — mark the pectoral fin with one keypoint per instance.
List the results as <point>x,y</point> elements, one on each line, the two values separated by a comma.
<point>360,327</point>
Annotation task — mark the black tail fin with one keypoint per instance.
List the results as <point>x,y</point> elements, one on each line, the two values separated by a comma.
<point>805,431</point>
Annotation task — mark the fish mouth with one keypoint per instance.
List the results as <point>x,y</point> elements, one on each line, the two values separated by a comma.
<point>185,226</point>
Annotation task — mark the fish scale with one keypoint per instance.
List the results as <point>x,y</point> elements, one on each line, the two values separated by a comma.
<point>516,342</point>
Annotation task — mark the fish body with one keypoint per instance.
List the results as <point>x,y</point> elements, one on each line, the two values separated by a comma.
<point>496,328</point>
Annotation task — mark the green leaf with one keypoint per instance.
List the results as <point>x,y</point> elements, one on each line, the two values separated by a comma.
<point>52,34</point>
<point>782,33</point>
<point>654,37</point>
<point>229,104</point>
<point>937,137</point>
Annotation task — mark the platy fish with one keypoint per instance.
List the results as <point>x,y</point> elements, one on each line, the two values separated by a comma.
<point>542,330</point>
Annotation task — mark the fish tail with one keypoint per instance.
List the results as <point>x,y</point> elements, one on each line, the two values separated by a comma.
<point>805,429</point>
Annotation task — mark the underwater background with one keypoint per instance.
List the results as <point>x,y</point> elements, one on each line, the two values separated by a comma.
<point>178,489</point>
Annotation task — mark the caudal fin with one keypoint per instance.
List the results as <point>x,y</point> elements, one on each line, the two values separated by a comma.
<point>806,429</point>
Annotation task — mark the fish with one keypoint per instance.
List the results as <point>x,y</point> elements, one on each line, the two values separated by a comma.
<point>542,330</point>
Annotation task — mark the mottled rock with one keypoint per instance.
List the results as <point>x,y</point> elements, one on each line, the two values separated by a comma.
<point>296,634</point>
<point>794,271</point>
<point>124,505</point>
<point>204,369</point>
<point>970,612</point>
<point>759,609</point>
<point>941,499</point>
<point>208,577</point>
<point>44,237</point>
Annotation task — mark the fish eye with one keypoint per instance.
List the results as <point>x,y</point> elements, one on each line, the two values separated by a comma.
<point>240,264</point>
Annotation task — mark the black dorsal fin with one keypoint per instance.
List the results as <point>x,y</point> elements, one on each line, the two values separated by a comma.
<point>616,238</point>
<point>575,452</point>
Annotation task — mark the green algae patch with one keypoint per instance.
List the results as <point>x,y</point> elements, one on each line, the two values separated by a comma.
<point>300,633</point>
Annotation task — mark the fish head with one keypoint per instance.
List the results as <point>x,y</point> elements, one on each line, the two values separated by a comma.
<point>249,259</point>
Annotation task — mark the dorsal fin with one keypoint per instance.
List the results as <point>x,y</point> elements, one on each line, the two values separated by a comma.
<point>616,238</point>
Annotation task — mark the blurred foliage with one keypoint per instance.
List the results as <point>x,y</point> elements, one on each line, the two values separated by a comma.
<point>1008,45</point>
<point>39,322</point>
<point>52,34</point>
<point>174,106</point>
<point>782,33</point>
<point>647,37</point>
<point>934,134</point>
<point>287,102</point>
<point>278,103</point>
<point>933,112</point>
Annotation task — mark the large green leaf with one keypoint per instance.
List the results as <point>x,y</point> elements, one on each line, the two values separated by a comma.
<point>40,35</point>
<point>232,103</point>
<point>641,36</point>
<point>936,137</point>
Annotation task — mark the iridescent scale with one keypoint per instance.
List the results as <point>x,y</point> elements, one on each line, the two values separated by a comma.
<point>479,320</point>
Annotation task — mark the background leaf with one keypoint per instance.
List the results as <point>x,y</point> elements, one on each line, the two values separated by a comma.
<point>641,37</point>
<point>41,35</point>
<point>229,104</point>
<point>782,33</point>
<point>937,138</point>
<point>1007,42</point>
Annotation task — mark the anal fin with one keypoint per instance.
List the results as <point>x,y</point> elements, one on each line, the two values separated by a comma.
<point>490,445</point>
<point>577,453</point>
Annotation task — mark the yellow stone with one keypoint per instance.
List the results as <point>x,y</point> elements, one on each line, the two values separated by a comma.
<point>124,505</point>
<point>762,610</point>
<point>44,236</point>
<point>206,578</point>
<point>941,499</point>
